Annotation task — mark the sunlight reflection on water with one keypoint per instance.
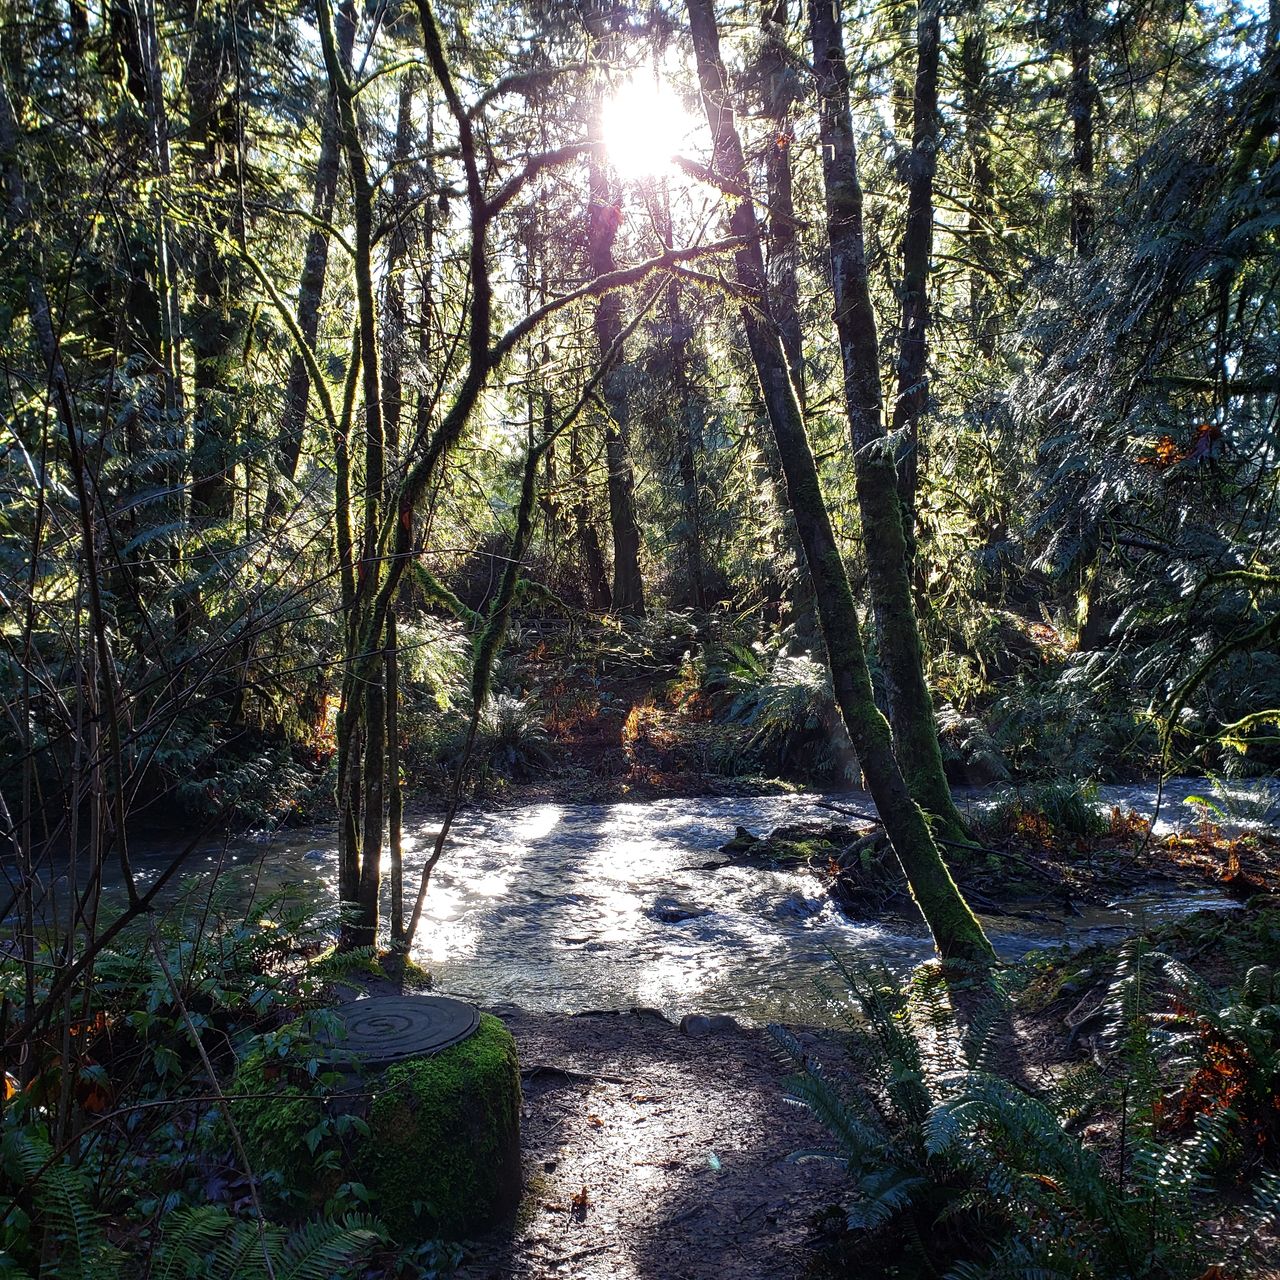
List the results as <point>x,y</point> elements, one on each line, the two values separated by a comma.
<point>580,907</point>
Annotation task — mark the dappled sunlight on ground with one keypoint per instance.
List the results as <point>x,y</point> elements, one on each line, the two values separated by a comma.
<point>651,1154</point>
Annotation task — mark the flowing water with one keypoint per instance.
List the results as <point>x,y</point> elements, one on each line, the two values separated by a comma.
<point>575,907</point>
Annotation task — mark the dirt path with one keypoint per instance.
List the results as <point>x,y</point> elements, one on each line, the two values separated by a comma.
<point>652,1154</point>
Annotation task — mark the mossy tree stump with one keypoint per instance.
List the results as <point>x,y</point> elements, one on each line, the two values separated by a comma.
<point>435,1137</point>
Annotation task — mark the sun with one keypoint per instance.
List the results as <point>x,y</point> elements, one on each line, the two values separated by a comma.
<point>644,126</point>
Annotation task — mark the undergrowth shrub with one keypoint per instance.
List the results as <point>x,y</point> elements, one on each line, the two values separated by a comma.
<point>1044,813</point>
<point>1213,1056</point>
<point>115,1160</point>
<point>511,738</point>
<point>787,703</point>
<point>58,1235</point>
<point>957,1171</point>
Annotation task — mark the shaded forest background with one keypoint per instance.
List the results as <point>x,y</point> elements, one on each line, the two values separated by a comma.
<point>364,415</point>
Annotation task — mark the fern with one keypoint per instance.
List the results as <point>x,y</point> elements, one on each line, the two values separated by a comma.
<point>69,1242</point>
<point>68,1227</point>
<point>967,1166</point>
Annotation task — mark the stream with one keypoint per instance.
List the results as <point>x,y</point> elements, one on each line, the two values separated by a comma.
<point>576,907</point>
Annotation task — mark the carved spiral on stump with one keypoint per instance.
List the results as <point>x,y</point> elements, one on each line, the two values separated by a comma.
<point>385,1029</point>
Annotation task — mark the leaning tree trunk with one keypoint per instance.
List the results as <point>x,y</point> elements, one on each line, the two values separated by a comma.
<point>901,658</point>
<point>956,931</point>
<point>315,262</point>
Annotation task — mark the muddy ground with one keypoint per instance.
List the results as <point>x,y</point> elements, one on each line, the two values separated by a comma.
<point>655,1155</point>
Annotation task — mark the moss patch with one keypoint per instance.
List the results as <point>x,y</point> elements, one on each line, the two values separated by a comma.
<point>282,1114</point>
<point>443,1150</point>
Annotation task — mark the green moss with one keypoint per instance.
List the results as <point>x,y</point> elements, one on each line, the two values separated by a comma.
<point>437,1140</point>
<point>442,1154</point>
<point>279,1110</point>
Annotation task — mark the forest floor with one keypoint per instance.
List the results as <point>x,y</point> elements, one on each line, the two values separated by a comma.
<point>655,1154</point>
<point>652,1154</point>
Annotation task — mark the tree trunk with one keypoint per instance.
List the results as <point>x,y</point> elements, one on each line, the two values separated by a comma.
<point>598,593</point>
<point>1081,96</point>
<point>782,245</point>
<point>217,319</point>
<point>315,261</point>
<point>363,696</point>
<point>395,336</point>
<point>779,91</point>
<point>687,412</point>
<point>901,658</point>
<point>956,932</point>
<point>912,398</point>
<point>604,216</point>
<point>976,106</point>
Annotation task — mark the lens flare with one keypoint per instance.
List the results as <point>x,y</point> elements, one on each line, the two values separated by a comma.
<point>644,126</point>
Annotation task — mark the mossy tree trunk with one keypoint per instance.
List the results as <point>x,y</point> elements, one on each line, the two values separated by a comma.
<point>888,562</point>
<point>956,931</point>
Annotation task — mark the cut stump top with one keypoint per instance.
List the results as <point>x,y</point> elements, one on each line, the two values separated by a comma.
<point>380,1030</point>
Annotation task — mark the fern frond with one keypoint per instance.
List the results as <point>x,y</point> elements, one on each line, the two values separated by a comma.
<point>320,1250</point>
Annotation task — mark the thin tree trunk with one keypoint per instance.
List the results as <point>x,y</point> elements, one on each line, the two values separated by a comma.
<point>690,445</point>
<point>395,336</point>
<point>1081,96</point>
<point>782,260</point>
<point>912,398</point>
<point>782,245</point>
<point>604,216</point>
<point>598,593</point>
<point>956,931</point>
<point>363,695</point>
<point>976,106</point>
<point>217,320</point>
<point>901,657</point>
<point>687,412</point>
<point>315,262</point>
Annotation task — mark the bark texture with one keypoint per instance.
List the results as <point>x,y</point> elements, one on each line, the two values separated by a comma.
<point>956,931</point>
<point>888,563</point>
<point>315,262</point>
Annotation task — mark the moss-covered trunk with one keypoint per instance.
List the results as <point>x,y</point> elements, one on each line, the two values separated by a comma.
<point>888,560</point>
<point>956,932</point>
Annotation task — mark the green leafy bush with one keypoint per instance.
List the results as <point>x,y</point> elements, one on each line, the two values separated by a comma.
<point>1051,810</point>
